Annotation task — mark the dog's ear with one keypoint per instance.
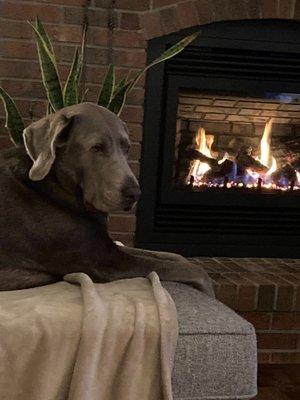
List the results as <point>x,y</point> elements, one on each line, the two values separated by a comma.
<point>41,139</point>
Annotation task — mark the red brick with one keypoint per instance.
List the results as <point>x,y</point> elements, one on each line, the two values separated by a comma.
<point>263,358</point>
<point>205,12</point>
<point>122,223</point>
<point>63,2</point>
<point>102,3</point>
<point>135,167</point>
<point>285,358</point>
<point>221,10</point>
<point>285,8</point>
<point>134,5</point>
<point>5,142</point>
<point>74,15</point>
<point>15,29</point>
<point>226,291</point>
<point>269,8</point>
<point>20,69</point>
<point>134,152</point>
<point>246,292</point>
<point>187,14</point>
<point>135,132</point>
<point>16,49</point>
<point>285,292</point>
<point>170,19</point>
<point>97,36</point>
<point>238,9</point>
<point>135,97</point>
<point>163,3</point>
<point>129,39</point>
<point>95,74</point>
<point>152,25</point>
<point>277,340</point>
<point>136,59</point>
<point>259,320</point>
<point>130,21</point>
<point>23,11</point>
<point>132,114</point>
<point>297,10</point>
<point>254,9</point>
<point>29,108</point>
<point>65,33</point>
<point>266,292</point>
<point>286,321</point>
<point>21,88</point>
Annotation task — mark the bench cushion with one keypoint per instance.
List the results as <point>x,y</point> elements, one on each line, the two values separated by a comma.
<point>216,356</point>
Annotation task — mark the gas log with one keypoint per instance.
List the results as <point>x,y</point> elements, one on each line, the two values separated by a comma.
<point>296,164</point>
<point>227,168</point>
<point>287,171</point>
<point>194,155</point>
<point>246,161</point>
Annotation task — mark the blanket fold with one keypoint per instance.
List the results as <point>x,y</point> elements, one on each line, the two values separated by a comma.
<point>78,340</point>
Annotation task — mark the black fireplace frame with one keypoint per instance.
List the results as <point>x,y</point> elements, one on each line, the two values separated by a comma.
<point>230,57</point>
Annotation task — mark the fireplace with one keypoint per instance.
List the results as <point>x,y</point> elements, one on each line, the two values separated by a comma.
<point>238,143</point>
<point>221,153</point>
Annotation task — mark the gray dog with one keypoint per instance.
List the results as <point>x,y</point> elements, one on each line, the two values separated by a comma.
<point>55,194</point>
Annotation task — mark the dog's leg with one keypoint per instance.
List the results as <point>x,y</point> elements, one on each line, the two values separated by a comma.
<point>18,278</point>
<point>132,263</point>
<point>160,255</point>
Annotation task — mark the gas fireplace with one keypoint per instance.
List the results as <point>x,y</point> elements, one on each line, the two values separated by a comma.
<point>238,143</point>
<point>220,165</point>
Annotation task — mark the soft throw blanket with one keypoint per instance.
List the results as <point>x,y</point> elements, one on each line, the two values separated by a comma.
<point>77,340</point>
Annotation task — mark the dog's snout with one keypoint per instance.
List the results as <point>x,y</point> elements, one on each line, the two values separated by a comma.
<point>130,194</point>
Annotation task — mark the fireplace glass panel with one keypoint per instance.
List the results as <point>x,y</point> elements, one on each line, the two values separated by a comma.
<point>238,143</point>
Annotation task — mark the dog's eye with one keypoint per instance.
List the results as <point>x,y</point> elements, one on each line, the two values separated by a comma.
<point>98,148</point>
<point>126,149</point>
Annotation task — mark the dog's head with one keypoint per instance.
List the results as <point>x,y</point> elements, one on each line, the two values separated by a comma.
<point>87,145</point>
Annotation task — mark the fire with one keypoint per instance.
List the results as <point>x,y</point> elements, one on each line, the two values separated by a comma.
<point>265,145</point>
<point>203,146</point>
<point>259,173</point>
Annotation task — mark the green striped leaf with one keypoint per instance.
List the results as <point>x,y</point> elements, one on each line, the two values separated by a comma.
<point>118,101</point>
<point>41,29</point>
<point>119,98</point>
<point>49,72</point>
<point>14,122</point>
<point>119,85</point>
<point>171,52</point>
<point>70,92</point>
<point>107,91</point>
<point>49,109</point>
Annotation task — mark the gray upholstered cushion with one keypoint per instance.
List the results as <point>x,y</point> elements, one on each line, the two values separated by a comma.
<point>216,351</point>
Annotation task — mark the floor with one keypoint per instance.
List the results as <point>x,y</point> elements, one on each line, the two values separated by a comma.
<point>278,382</point>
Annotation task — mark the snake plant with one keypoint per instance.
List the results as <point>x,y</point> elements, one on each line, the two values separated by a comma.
<point>112,94</point>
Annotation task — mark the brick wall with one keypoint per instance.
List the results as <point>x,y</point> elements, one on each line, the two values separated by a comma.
<point>135,22</point>
<point>266,292</point>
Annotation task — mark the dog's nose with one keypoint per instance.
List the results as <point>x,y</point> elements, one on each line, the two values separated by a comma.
<point>131,193</point>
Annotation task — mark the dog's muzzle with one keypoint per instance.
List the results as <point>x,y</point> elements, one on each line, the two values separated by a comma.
<point>130,195</point>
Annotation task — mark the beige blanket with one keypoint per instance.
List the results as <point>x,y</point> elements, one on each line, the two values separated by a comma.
<point>112,341</point>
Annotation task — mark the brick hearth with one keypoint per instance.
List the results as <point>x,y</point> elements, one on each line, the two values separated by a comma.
<point>267,292</point>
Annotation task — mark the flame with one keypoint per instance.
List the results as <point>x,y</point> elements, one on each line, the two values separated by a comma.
<point>251,179</point>
<point>265,145</point>
<point>273,167</point>
<point>204,144</point>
